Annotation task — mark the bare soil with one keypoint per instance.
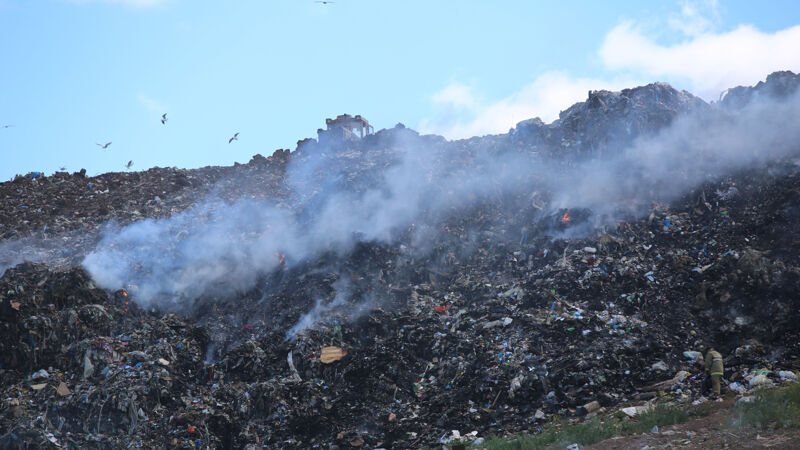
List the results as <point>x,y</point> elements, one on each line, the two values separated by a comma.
<point>711,431</point>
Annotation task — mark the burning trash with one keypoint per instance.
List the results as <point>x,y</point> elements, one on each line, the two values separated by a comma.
<point>281,258</point>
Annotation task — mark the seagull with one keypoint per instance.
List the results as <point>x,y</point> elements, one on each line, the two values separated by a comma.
<point>324,2</point>
<point>164,118</point>
<point>6,126</point>
<point>103,146</point>
<point>128,166</point>
<point>62,168</point>
<point>234,138</point>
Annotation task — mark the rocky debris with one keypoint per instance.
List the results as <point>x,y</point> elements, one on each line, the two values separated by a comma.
<point>494,328</point>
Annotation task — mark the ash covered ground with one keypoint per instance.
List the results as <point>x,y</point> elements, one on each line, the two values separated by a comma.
<point>384,291</point>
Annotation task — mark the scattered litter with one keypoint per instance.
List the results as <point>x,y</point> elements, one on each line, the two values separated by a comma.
<point>62,389</point>
<point>787,375</point>
<point>660,366</point>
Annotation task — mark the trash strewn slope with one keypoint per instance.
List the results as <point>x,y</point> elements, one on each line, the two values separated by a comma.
<point>489,310</point>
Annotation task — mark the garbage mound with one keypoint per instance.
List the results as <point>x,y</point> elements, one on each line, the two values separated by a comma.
<point>777,84</point>
<point>485,311</point>
<point>607,120</point>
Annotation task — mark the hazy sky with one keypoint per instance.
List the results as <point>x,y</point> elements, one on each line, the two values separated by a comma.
<point>74,73</point>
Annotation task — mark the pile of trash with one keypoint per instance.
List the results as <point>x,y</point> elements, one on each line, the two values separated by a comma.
<point>512,315</point>
<point>607,120</point>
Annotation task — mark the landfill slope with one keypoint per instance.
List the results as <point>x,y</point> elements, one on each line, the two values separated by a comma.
<point>489,312</point>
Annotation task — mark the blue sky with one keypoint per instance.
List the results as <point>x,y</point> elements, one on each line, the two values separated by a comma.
<point>74,73</point>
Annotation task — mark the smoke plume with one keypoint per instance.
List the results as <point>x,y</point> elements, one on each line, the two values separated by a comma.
<point>342,196</point>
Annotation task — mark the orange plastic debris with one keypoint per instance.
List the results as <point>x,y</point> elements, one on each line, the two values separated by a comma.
<point>441,309</point>
<point>331,354</point>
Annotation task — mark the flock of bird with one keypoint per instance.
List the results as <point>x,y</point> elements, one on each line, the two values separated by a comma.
<point>164,120</point>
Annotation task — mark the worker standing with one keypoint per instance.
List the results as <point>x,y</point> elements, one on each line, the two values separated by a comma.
<point>714,369</point>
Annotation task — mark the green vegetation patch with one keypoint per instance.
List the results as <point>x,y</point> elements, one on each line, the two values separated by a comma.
<point>584,434</point>
<point>590,432</point>
<point>770,408</point>
<point>659,416</point>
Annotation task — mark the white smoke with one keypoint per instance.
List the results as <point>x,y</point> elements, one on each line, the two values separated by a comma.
<point>221,247</point>
<point>213,247</point>
<point>321,307</point>
<point>695,148</point>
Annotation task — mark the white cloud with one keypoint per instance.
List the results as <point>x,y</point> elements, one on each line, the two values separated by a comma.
<point>151,104</point>
<point>455,94</point>
<point>696,17</point>
<point>461,115</point>
<point>706,62</point>
<point>709,62</point>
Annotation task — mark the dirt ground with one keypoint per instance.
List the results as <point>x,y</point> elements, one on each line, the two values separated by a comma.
<point>711,431</point>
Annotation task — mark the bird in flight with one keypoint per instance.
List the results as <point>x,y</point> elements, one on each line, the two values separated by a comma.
<point>164,118</point>
<point>324,2</point>
<point>103,146</point>
<point>128,166</point>
<point>6,126</point>
<point>62,168</point>
<point>234,138</point>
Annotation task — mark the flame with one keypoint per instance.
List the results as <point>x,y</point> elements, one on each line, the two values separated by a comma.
<point>124,293</point>
<point>281,257</point>
<point>565,218</point>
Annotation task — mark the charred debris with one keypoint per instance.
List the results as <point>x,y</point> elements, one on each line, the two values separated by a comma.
<point>488,311</point>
